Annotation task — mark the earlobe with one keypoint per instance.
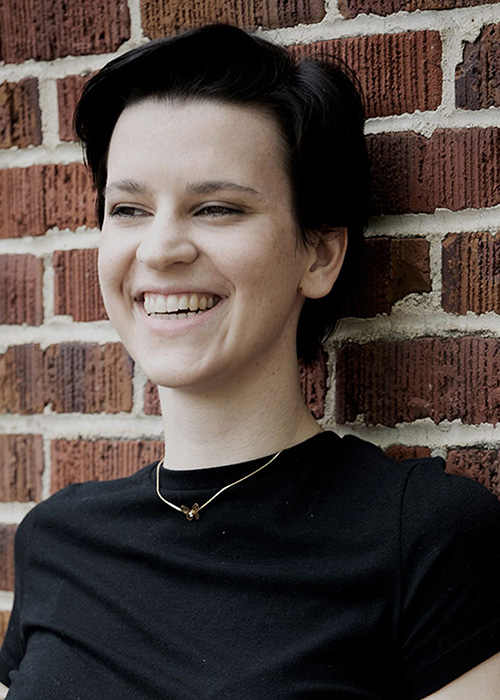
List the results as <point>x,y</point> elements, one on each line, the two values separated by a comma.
<point>327,256</point>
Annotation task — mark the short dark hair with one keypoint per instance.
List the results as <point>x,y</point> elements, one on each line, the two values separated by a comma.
<point>316,103</point>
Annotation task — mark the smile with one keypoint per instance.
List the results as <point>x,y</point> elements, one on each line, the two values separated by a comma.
<point>178,305</point>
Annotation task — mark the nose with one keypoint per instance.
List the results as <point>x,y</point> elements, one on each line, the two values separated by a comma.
<point>166,242</point>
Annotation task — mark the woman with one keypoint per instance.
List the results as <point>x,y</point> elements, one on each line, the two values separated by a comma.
<point>262,558</point>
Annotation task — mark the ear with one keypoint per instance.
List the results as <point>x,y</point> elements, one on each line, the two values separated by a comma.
<point>326,258</point>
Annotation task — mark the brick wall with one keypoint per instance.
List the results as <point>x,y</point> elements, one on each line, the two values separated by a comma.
<point>415,368</point>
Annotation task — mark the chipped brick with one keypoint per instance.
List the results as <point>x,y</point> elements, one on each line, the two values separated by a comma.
<point>68,93</point>
<point>20,121</point>
<point>477,83</point>
<point>482,465</point>
<point>402,452</point>
<point>7,533</point>
<point>352,8</point>
<point>22,387</point>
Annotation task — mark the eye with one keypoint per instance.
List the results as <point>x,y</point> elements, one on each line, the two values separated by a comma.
<point>126,211</point>
<point>213,211</point>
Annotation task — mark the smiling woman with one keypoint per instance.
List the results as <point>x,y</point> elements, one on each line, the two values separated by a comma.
<point>262,557</point>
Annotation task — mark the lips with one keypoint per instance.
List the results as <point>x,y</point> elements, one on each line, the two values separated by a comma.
<point>173,305</point>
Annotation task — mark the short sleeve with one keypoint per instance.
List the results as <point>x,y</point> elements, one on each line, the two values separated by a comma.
<point>12,650</point>
<point>450,578</point>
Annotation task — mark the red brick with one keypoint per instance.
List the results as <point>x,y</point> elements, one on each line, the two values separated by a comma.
<point>21,289</point>
<point>47,30</point>
<point>391,269</point>
<point>4,622</point>
<point>7,533</point>
<point>162,17</point>
<point>22,387</point>
<point>352,8</point>
<point>477,82</point>
<point>74,461</point>
<point>20,121</point>
<point>43,196</point>
<point>437,378</point>
<point>402,452</point>
<point>454,169</point>
<point>21,457</point>
<point>68,92</point>
<point>482,465</point>
<point>471,273</point>
<point>398,73</point>
<point>88,378</point>
<point>151,400</point>
<point>76,285</point>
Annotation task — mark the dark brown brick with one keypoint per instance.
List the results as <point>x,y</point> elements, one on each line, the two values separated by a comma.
<point>21,457</point>
<point>22,387</point>
<point>471,273</point>
<point>43,196</point>
<point>352,8</point>
<point>47,30</point>
<point>4,623</point>
<point>454,169</point>
<point>482,465</point>
<point>162,17</point>
<point>437,378</point>
<point>68,92</point>
<point>313,380</point>
<point>88,378</point>
<point>76,285</point>
<point>20,122</point>
<point>391,269</point>
<point>477,82</point>
<point>74,461</point>
<point>402,452</point>
<point>398,73</point>
<point>21,289</point>
<point>7,533</point>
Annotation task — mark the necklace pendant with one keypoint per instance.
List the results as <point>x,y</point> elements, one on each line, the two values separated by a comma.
<point>191,513</point>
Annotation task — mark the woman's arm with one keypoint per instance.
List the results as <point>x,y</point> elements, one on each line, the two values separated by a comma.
<point>482,682</point>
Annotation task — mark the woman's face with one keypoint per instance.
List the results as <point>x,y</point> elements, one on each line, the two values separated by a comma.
<point>199,259</point>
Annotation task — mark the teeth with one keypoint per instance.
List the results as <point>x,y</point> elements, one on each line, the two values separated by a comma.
<point>174,304</point>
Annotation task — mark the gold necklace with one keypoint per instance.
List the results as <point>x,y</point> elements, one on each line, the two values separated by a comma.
<point>194,512</point>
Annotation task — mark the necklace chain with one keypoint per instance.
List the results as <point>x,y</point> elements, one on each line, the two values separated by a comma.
<point>194,512</point>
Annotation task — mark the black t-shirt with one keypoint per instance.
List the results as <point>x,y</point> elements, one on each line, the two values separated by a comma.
<point>333,573</point>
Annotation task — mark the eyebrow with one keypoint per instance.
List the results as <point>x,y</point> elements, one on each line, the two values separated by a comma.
<point>204,187</point>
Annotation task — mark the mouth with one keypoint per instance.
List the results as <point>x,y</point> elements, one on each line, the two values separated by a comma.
<point>177,306</point>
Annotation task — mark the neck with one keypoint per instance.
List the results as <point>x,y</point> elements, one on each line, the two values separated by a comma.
<point>247,420</point>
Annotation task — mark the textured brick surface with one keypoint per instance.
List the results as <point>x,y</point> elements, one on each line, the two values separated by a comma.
<point>20,123</point>
<point>402,452</point>
<point>68,93</point>
<point>398,73</point>
<point>351,8</point>
<point>454,169</point>
<point>21,289</point>
<point>439,378</point>
<point>482,465</point>
<point>70,377</point>
<point>471,273</point>
<point>391,269</point>
<point>7,533</point>
<point>4,621</point>
<point>75,461</point>
<point>76,285</point>
<point>37,198</point>
<point>162,17</point>
<point>477,83</point>
<point>151,400</point>
<point>22,386</point>
<point>88,378</point>
<point>46,30</point>
<point>21,460</point>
